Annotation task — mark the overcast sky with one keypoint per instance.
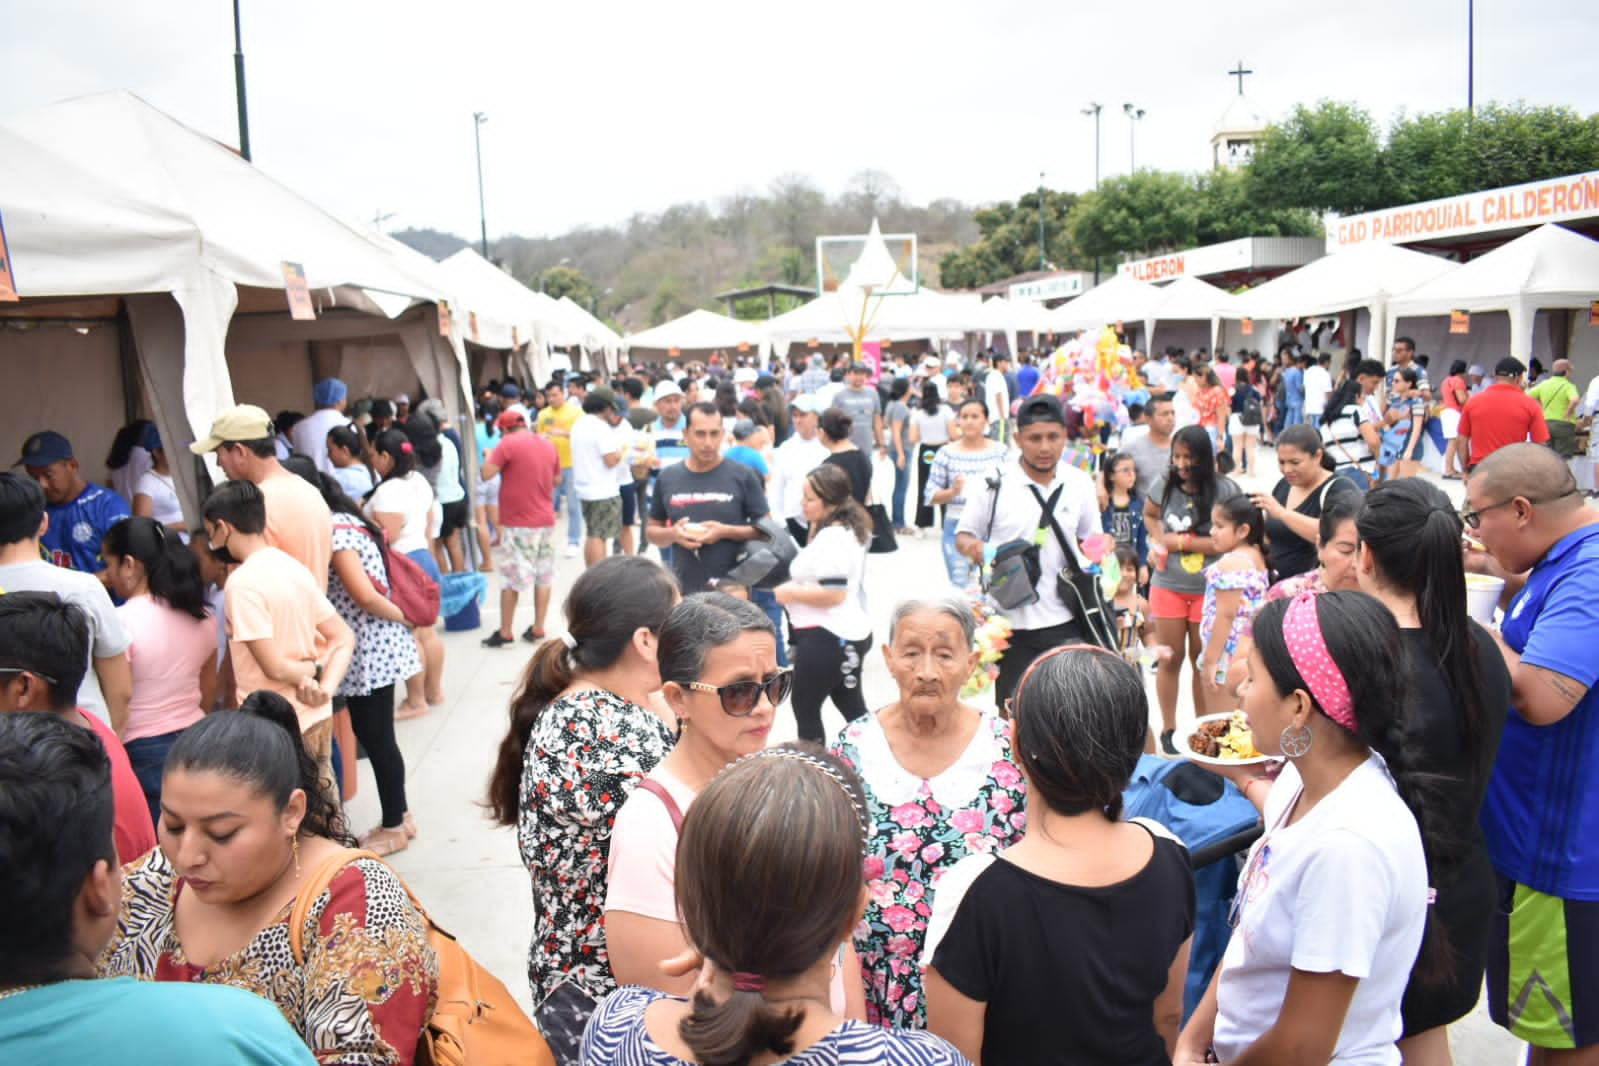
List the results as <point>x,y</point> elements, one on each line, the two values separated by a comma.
<point>602,109</point>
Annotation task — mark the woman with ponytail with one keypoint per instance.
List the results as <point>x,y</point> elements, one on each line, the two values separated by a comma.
<point>768,871</point>
<point>1334,901</point>
<point>243,825</point>
<point>1410,560</point>
<point>585,728</point>
<point>173,657</point>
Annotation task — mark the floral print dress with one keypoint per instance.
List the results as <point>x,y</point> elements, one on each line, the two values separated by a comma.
<point>586,753</point>
<point>920,828</point>
<point>367,986</point>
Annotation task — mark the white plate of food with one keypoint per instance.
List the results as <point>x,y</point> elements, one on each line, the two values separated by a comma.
<point>1222,740</point>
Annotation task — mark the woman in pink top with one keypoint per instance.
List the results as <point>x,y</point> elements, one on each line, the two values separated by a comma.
<point>1453,394</point>
<point>174,650</point>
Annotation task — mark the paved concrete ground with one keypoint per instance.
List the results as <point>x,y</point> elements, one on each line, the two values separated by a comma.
<point>468,871</point>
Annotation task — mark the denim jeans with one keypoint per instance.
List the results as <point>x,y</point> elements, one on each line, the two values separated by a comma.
<point>766,600</point>
<point>902,481</point>
<point>958,566</point>
<point>148,755</point>
<point>567,489</point>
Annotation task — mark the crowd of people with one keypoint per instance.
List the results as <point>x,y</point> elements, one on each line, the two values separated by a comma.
<point>932,880</point>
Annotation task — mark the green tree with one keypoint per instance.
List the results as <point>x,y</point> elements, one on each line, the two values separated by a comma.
<point>1448,153</point>
<point>1149,211</point>
<point>1227,211</point>
<point>559,281</point>
<point>1009,241</point>
<point>1326,158</point>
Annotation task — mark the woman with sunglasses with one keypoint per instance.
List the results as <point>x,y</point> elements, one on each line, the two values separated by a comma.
<point>940,785</point>
<point>826,601</point>
<point>718,658</point>
<point>1334,902</point>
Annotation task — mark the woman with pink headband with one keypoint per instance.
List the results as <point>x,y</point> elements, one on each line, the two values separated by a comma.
<point>1333,903</point>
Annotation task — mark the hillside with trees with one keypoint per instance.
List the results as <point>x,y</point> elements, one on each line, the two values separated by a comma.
<point>1329,157</point>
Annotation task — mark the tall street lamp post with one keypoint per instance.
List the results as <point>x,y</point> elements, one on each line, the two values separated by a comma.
<point>1043,253</point>
<point>238,84</point>
<point>1094,109</point>
<point>1134,115</point>
<point>478,118</point>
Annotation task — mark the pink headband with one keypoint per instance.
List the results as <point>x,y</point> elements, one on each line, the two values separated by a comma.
<point>1302,635</point>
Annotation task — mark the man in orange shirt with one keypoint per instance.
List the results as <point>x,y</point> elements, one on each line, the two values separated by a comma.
<point>283,633</point>
<point>298,522</point>
<point>1501,414</point>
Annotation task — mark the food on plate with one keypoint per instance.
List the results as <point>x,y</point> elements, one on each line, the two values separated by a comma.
<point>1225,738</point>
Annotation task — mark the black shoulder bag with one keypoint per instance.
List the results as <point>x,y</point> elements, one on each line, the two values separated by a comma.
<point>1078,590</point>
<point>1011,578</point>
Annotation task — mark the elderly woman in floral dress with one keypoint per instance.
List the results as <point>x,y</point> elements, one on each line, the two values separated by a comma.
<point>940,784</point>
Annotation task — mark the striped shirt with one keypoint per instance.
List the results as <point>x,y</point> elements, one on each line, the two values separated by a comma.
<point>950,462</point>
<point>616,1036</point>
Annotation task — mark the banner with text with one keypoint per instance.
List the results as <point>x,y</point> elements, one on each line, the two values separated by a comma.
<point>1532,204</point>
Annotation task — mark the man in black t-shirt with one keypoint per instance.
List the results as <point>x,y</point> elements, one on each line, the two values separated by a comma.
<point>705,506</point>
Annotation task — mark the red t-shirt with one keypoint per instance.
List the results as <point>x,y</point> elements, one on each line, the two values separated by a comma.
<point>1499,415</point>
<point>528,466</point>
<point>134,834</point>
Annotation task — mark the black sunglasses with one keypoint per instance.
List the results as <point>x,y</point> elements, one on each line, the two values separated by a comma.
<point>740,698</point>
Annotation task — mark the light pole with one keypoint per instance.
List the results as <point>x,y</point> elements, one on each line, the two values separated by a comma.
<point>1471,58</point>
<point>1134,114</point>
<point>238,84</point>
<point>478,118</point>
<point>1043,254</point>
<point>1095,109</point>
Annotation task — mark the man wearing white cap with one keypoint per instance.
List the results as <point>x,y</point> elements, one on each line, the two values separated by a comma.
<point>796,457</point>
<point>931,371</point>
<point>310,434</point>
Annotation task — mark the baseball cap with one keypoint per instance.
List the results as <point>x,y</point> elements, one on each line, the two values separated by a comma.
<point>1509,367</point>
<point>402,398</point>
<point>667,389</point>
<point>743,429</point>
<point>328,392</point>
<point>243,422</point>
<point>152,438</point>
<point>44,448</point>
<point>746,375</point>
<point>605,393</point>
<point>1036,409</point>
<point>1477,370</point>
<point>807,403</point>
<point>510,390</point>
<point>931,362</point>
<point>859,368</point>
<point>508,418</point>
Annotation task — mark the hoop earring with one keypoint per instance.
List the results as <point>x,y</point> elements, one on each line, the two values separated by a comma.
<point>1295,741</point>
<point>296,839</point>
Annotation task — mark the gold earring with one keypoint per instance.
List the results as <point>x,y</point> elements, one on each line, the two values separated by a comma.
<point>296,839</point>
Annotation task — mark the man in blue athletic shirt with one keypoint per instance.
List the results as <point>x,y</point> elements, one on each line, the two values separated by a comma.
<point>80,513</point>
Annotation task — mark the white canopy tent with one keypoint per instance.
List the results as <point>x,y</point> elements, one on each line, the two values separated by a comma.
<point>1120,299</point>
<point>510,316</point>
<point>1188,299</point>
<point>591,335</point>
<point>114,209</point>
<point>1547,269</point>
<point>999,315</point>
<point>698,331</point>
<point>1365,277</point>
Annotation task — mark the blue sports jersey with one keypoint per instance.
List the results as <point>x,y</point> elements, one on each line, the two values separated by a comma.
<point>77,528</point>
<point>1541,815</point>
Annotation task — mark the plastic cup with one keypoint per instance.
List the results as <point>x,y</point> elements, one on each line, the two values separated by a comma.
<point>1482,596</point>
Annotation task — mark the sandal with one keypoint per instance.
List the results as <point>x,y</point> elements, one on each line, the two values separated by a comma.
<point>385,842</point>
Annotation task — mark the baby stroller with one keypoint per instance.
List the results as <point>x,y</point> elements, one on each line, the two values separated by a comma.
<point>1217,823</point>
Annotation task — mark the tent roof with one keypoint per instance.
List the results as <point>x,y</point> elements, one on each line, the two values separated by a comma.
<point>1120,299</point>
<point>1192,298</point>
<point>201,200</point>
<point>1548,267</point>
<point>926,313</point>
<point>595,334</point>
<point>699,330</point>
<point>1362,276</point>
<point>500,301</point>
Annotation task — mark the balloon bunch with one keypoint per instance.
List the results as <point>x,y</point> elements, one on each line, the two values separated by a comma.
<point>1094,374</point>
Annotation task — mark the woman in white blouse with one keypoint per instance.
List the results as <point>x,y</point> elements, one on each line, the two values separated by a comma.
<point>154,494</point>
<point>404,505</point>
<point>826,602</point>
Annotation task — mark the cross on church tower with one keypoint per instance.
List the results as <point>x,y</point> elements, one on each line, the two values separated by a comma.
<point>1239,74</point>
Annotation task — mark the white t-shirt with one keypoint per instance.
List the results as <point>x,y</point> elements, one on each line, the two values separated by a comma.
<point>412,497</point>
<point>1342,436</point>
<point>792,460</point>
<point>627,439</point>
<point>1318,383</point>
<point>164,504</point>
<point>1016,518</point>
<point>932,429</point>
<point>592,440</point>
<point>310,435</point>
<point>107,635</point>
<point>996,396</point>
<point>833,559</point>
<point>1183,406</point>
<point>1342,890</point>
